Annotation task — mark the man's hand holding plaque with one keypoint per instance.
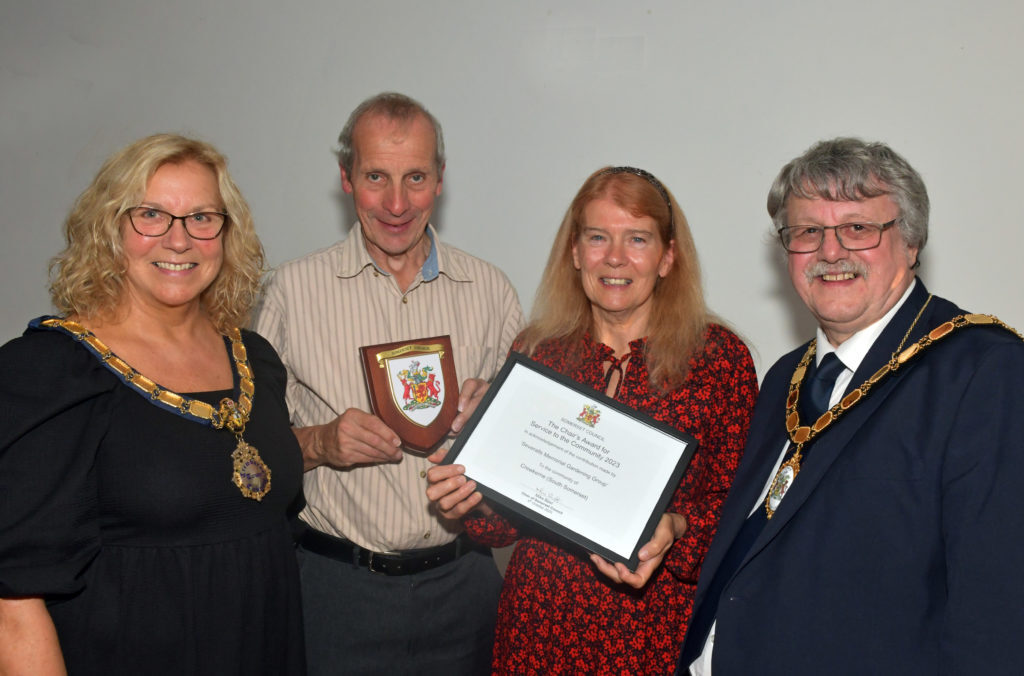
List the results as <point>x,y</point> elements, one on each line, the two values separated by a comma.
<point>353,438</point>
<point>358,437</point>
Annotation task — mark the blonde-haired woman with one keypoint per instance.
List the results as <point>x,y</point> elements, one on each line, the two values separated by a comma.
<point>620,308</point>
<point>146,460</point>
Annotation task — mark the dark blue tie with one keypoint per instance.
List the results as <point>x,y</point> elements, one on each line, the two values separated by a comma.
<point>814,401</point>
<point>812,404</point>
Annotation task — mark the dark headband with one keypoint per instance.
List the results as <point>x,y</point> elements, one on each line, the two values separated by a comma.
<point>649,177</point>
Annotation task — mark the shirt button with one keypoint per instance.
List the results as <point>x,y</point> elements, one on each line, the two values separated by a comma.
<point>423,474</point>
<point>426,536</point>
<point>405,299</point>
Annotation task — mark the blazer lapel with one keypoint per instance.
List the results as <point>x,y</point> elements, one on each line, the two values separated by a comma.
<point>834,440</point>
<point>767,432</point>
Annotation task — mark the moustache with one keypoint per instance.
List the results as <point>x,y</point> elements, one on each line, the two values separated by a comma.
<point>822,268</point>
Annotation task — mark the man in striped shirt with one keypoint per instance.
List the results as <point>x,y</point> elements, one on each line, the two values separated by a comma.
<point>389,586</point>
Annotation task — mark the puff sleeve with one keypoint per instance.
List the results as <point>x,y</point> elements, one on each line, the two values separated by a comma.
<point>54,410</point>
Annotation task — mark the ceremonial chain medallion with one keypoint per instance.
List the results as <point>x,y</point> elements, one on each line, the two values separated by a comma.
<point>250,474</point>
<point>799,435</point>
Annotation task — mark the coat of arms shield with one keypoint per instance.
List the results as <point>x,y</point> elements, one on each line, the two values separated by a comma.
<point>413,388</point>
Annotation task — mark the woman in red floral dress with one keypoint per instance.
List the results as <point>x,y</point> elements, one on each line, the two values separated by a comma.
<point>621,309</point>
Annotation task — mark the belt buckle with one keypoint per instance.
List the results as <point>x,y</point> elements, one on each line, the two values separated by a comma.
<point>370,566</point>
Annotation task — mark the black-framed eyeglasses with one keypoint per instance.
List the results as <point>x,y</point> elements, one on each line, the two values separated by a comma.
<point>851,236</point>
<point>152,222</point>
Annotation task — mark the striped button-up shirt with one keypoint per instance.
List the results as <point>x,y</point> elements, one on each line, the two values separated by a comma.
<point>319,310</point>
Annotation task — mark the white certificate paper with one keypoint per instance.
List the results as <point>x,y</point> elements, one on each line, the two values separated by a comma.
<point>572,460</point>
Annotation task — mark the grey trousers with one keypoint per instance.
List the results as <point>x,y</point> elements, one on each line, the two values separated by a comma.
<point>440,621</point>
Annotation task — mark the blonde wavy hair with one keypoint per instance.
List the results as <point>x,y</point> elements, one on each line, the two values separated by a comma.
<point>678,319</point>
<point>88,277</point>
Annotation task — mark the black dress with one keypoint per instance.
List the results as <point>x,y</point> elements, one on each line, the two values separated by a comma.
<point>123,516</point>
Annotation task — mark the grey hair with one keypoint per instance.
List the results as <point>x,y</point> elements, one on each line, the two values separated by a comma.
<point>849,169</point>
<point>394,106</point>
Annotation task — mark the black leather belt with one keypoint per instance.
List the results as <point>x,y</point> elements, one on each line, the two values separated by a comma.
<point>401,563</point>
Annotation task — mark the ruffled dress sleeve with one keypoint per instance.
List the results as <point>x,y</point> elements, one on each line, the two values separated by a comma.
<point>54,408</point>
<point>493,530</point>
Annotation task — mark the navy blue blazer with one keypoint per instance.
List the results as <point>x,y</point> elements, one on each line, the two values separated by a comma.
<point>899,549</point>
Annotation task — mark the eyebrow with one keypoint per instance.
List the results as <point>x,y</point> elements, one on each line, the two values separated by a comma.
<point>194,210</point>
<point>632,231</point>
<point>417,170</point>
<point>851,218</point>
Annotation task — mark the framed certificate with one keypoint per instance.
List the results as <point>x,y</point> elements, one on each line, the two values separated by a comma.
<point>572,459</point>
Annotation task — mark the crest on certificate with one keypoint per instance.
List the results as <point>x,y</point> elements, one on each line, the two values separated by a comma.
<point>413,388</point>
<point>590,415</point>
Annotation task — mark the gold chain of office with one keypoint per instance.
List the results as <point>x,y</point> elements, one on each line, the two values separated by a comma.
<point>804,434</point>
<point>250,473</point>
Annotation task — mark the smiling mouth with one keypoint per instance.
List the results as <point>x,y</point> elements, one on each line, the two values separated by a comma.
<point>616,281</point>
<point>838,277</point>
<point>175,267</point>
<point>395,226</point>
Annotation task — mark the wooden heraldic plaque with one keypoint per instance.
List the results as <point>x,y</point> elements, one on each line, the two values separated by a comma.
<point>413,388</point>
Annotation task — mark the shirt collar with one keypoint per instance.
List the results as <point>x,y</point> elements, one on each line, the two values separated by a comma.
<point>431,268</point>
<point>853,350</point>
<point>355,258</point>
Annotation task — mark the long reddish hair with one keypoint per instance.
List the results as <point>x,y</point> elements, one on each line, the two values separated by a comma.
<point>679,318</point>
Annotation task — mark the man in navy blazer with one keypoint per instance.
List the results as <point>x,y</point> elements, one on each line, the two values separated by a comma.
<point>895,541</point>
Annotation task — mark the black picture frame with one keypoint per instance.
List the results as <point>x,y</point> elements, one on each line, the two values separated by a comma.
<point>663,485</point>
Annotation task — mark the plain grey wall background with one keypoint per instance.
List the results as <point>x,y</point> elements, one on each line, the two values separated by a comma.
<point>711,96</point>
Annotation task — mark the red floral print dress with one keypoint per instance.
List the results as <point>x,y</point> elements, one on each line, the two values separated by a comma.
<point>558,614</point>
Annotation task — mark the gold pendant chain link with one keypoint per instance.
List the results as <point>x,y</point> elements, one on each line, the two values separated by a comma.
<point>800,435</point>
<point>251,474</point>
<point>230,414</point>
